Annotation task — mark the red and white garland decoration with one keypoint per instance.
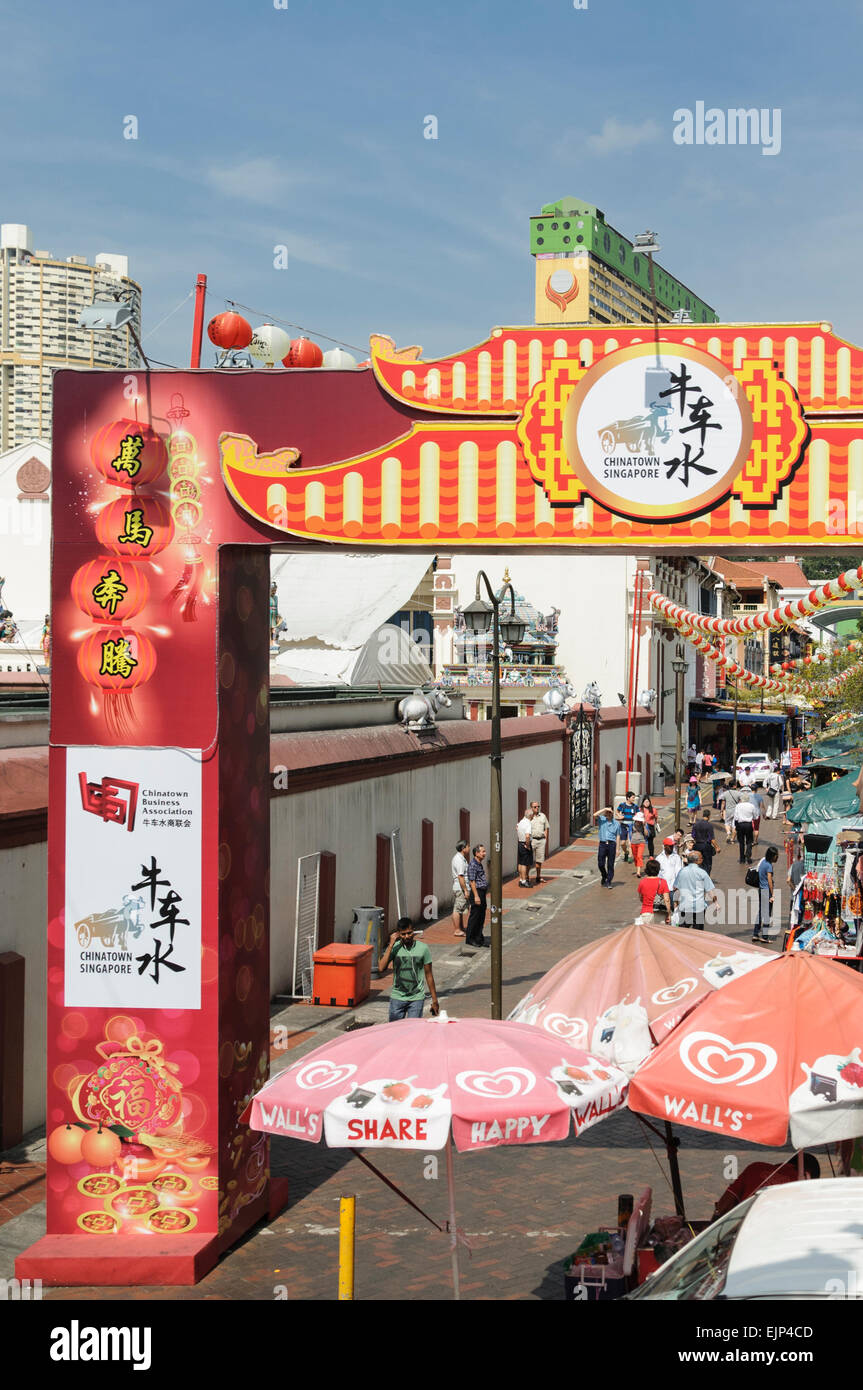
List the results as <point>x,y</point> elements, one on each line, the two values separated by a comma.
<point>808,663</point>
<point>733,668</point>
<point>787,613</point>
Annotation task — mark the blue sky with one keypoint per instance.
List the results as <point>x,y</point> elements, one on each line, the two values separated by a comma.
<point>304,127</point>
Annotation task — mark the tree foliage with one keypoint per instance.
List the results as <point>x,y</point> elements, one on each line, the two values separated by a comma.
<point>821,567</point>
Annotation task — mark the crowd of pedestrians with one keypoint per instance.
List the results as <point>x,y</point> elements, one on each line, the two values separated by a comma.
<point>675,885</point>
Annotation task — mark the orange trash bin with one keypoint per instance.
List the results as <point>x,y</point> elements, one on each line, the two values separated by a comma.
<point>343,974</point>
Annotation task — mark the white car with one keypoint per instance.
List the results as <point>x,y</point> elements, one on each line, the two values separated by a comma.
<point>801,1240</point>
<point>756,766</point>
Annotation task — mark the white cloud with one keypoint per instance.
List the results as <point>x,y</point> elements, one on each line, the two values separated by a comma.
<point>617,137</point>
<point>260,180</point>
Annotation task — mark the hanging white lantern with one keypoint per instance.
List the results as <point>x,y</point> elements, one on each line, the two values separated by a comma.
<point>339,360</point>
<point>269,344</point>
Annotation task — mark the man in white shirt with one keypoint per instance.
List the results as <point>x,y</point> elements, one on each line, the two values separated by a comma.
<point>744,815</point>
<point>525,853</point>
<point>539,828</point>
<point>670,863</point>
<point>694,890</point>
<point>773,791</point>
<point>743,778</point>
<point>460,894</point>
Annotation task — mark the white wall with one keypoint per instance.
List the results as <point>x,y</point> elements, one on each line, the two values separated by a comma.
<point>25,546</point>
<point>346,819</point>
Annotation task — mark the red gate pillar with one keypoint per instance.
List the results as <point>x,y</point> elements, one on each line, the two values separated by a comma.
<point>144,1102</point>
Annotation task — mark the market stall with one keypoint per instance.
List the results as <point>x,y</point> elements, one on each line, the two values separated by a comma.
<point>826,916</point>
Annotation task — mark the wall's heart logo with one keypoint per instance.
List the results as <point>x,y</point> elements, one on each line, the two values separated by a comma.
<point>672,993</point>
<point>502,1084</point>
<point>573,1029</point>
<point>319,1076</point>
<point>715,1059</point>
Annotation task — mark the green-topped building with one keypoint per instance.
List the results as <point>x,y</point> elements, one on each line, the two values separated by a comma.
<point>586,272</point>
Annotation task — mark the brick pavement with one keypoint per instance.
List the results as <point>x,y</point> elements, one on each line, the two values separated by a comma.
<point>22,1186</point>
<point>522,1209</point>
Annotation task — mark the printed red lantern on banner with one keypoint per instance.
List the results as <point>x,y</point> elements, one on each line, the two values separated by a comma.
<point>116,659</point>
<point>303,353</point>
<point>136,527</point>
<point>129,454</point>
<point>110,590</point>
<point>229,331</point>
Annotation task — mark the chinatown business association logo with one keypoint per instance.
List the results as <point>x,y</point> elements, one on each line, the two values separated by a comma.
<point>657,431</point>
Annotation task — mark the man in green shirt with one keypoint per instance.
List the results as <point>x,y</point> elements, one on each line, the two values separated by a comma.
<point>412,971</point>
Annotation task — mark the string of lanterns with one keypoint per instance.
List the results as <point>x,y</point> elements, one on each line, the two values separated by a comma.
<point>114,588</point>
<point>818,658</point>
<point>732,668</point>
<point>270,344</point>
<point>828,689</point>
<point>783,616</point>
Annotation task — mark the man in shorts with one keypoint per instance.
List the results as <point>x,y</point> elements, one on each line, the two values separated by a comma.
<point>525,851</point>
<point>626,810</point>
<point>539,828</point>
<point>460,893</point>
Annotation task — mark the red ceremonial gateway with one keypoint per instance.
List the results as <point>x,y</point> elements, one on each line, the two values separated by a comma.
<point>168,489</point>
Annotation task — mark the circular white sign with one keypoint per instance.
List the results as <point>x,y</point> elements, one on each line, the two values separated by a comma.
<point>657,432</point>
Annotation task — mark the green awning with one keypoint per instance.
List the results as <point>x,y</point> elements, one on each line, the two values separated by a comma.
<point>831,802</point>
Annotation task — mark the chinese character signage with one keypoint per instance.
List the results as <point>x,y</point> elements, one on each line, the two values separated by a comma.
<point>133,880</point>
<point>657,432</point>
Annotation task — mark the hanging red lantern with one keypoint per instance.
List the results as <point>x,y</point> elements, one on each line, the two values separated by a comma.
<point>110,590</point>
<point>303,353</point>
<point>136,527</point>
<point>116,659</point>
<point>229,331</point>
<point>129,454</point>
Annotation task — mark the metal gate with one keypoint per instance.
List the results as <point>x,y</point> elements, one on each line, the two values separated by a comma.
<point>580,772</point>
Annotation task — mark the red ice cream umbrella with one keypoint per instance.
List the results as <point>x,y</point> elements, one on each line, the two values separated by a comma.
<point>776,1052</point>
<point>428,1083</point>
<point>622,995</point>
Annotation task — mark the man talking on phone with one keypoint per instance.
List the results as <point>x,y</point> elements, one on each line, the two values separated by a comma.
<point>412,971</point>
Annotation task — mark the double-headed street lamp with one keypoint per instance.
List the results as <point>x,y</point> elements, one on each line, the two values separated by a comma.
<point>679,666</point>
<point>479,617</point>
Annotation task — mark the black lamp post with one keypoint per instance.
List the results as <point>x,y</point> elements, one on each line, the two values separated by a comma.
<point>679,667</point>
<point>479,617</point>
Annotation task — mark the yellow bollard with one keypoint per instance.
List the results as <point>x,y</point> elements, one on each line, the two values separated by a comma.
<point>347,1233</point>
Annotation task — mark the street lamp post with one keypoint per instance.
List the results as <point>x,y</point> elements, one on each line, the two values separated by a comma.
<point>479,617</point>
<point>679,667</point>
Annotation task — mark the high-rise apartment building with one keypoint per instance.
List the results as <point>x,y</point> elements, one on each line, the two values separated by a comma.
<point>41,299</point>
<point>586,272</point>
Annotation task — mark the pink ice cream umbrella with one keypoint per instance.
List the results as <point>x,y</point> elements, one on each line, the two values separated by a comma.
<point>428,1083</point>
